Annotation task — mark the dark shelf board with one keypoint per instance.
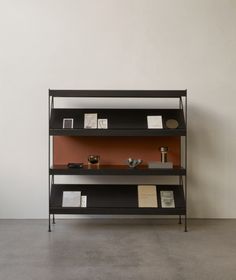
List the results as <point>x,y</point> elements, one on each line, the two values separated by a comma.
<point>118,211</point>
<point>121,122</point>
<point>116,170</point>
<point>118,93</point>
<point>114,199</point>
<point>117,132</point>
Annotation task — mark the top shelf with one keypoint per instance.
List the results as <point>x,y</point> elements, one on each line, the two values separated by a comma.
<point>119,93</point>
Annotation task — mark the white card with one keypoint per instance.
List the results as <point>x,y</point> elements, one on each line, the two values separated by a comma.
<point>154,122</point>
<point>102,123</point>
<point>71,199</point>
<point>90,120</point>
<point>84,201</point>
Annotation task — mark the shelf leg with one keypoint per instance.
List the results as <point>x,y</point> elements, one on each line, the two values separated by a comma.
<point>185,224</point>
<point>53,219</point>
<point>49,223</point>
<point>180,220</point>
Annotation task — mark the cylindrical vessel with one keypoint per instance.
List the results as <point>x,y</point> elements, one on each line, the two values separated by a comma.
<point>164,157</point>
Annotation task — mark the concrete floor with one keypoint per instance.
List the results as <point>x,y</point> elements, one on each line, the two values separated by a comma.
<point>106,249</point>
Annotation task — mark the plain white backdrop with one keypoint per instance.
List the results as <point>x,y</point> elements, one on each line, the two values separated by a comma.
<point>122,44</point>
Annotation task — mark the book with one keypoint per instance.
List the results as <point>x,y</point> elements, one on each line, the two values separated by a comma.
<point>147,196</point>
<point>71,199</point>
<point>167,199</point>
<point>102,123</point>
<point>84,201</point>
<point>154,122</point>
<point>90,120</point>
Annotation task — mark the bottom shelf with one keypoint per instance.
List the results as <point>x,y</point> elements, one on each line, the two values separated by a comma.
<point>115,199</point>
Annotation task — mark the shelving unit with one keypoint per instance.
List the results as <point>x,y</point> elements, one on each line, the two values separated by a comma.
<point>124,125</point>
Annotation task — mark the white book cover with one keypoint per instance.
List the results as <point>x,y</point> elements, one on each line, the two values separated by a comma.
<point>102,123</point>
<point>167,199</point>
<point>154,122</point>
<point>71,199</point>
<point>90,120</point>
<point>84,201</point>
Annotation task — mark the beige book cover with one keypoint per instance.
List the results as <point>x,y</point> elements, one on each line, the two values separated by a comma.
<point>147,196</point>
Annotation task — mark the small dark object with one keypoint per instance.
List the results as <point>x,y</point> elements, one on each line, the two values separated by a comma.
<point>75,165</point>
<point>134,162</point>
<point>93,160</point>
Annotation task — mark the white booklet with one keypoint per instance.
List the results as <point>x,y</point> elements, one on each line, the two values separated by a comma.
<point>154,122</point>
<point>167,199</point>
<point>84,201</point>
<point>90,120</point>
<point>147,196</point>
<point>102,123</point>
<point>71,199</point>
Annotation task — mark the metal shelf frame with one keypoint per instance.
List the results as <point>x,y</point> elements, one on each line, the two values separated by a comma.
<point>180,94</point>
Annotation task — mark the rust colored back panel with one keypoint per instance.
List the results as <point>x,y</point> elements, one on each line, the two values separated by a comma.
<point>114,150</point>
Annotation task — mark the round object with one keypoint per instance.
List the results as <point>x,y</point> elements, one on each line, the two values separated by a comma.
<point>172,123</point>
<point>93,159</point>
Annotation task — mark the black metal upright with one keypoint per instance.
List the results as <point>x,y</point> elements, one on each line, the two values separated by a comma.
<point>186,159</point>
<point>49,163</point>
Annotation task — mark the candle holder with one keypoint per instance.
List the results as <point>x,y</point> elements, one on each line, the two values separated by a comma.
<point>164,154</point>
<point>93,160</point>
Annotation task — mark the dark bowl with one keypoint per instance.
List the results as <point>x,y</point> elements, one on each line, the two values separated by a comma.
<point>93,159</point>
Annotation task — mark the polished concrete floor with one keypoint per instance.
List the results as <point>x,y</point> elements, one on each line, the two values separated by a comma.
<point>106,249</point>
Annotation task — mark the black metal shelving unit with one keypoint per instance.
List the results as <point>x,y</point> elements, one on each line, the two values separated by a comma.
<point>118,199</point>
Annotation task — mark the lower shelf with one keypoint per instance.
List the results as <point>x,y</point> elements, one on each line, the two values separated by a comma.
<point>119,211</point>
<point>115,199</point>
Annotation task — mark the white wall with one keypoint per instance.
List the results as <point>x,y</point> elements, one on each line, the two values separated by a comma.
<point>118,44</point>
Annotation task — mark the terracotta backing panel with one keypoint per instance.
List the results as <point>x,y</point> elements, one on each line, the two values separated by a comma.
<point>113,150</point>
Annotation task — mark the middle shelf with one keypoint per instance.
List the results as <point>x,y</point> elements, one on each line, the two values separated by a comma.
<point>117,170</point>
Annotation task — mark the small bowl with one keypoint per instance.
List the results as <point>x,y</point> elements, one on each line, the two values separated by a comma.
<point>93,159</point>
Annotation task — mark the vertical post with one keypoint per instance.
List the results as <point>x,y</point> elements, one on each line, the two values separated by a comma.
<point>53,215</point>
<point>180,184</point>
<point>52,107</point>
<point>49,162</point>
<point>180,151</point>
<point>186,158</point>
<point>180,220</point>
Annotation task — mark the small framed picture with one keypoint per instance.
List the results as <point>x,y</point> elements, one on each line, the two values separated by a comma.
<point>68,123</point>
<point>102,123</point>
<point>90,121</point>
